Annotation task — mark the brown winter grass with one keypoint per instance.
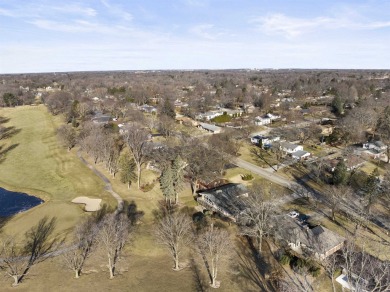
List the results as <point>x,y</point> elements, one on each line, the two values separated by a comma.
<point>40,166</point>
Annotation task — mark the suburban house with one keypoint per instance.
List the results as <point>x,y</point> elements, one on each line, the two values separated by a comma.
<point>180,104</point>
<point>210,128</point>
<point>209,115</point>
<point>376,146</point>
<point>264,140</point>
<point>300,154</point>
<point>272,116</point>
<point>148,109</point>
<point>318,241</point>
<point>101,119</point>
<point>266,119</point>
<point>232,112</point>
<point>351,162</point>
<point>225,200</point>
<point>290,147</point>
<point>261,121</point>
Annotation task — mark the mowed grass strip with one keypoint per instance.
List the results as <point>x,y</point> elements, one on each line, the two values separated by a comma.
<point>40,166</point>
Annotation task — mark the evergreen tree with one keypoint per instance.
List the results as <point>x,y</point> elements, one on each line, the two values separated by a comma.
<point>168,109</point>
<point>128,168</point>
<point>178,166</point>
<point>337,106</point>
<point>167,184</point>
<point>340,174</point>
<point>371,189</point>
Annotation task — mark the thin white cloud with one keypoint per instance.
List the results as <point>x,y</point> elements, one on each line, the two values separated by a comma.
<point>203,31</point>
<point>291,27</point>
<point>196,3</point>
<point>73,27</point>
<point>117,10</point>
<point>74,9</point>
<point>6,12</point>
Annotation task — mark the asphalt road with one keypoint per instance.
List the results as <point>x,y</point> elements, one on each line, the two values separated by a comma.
<point>265,173</point>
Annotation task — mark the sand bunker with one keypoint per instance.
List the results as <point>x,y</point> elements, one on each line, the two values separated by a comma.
<point>91,205</point>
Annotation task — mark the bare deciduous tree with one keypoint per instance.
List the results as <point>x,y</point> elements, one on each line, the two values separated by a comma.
<point>67,136</point>
<point>18,259</point>
<point>335,196</point>
<point>331,264</point>
<point>174,232</point>
<point>215,247</point>
<point>83,243</point>
<point>113,235</point>
<point>137,138</point>
<point>11,261</point>
<point>202,163</point>
<point>365,272</point>
<point>256,218</point>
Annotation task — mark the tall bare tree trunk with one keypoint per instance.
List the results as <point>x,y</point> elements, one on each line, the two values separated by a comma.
<point>213,274</point>
<point>176,262</point>
<point>194,187</point>
<point>139,176</point>
<point>77,273</point>
<point>111,268</point>
<point>16,281</point>
<point>259,243</point>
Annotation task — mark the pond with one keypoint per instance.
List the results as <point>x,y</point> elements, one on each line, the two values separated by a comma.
<point>12,203</point>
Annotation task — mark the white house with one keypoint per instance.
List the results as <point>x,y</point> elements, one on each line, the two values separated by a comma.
<point>232,112</point>
<point>272,116</point>
<point>209,115</point>
<point>261,121</point>
<point>300,154</point>
<point>264,140</point>
<point>290,147</point>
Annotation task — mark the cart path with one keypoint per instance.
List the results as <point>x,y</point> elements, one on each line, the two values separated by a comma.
<point>108,186</point>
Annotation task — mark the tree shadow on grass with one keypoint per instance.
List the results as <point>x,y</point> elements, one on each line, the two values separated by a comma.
<point>4,120</point>
<point>252,268</point>
<point>3,221</point>
<point>5,150</point>
<point>199,281</point>
<point>8,132</point>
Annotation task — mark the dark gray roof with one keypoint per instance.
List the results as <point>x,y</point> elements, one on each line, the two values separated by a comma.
<point>210,127</point>
<point>319,238</point>
<point>227,197</point>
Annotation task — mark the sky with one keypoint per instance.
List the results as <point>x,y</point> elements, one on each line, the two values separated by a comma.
<point>89,35</point>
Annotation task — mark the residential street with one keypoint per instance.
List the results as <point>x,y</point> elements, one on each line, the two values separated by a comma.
<point>265,173</point>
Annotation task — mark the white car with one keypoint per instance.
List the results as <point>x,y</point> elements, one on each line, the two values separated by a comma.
<point>293,214</point>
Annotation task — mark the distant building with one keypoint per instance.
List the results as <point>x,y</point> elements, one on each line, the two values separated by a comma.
<point>290,147</point>
<point>262,121</point>
<point>148,109</point>
<point>210,128</point>
<point>264,140</point>
<point>300,155</point>
<point>209,115</point>
<point>101,119</point>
